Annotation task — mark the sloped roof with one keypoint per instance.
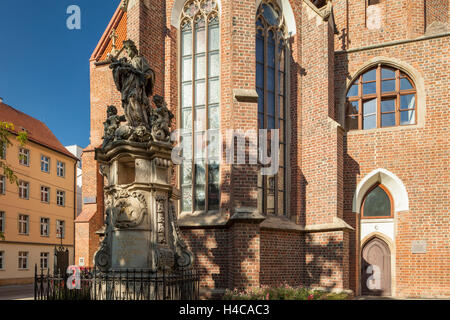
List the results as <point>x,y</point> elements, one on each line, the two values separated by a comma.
<point>37,131</point>
<point>119,23</point>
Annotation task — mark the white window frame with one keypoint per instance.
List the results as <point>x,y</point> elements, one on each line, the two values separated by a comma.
<point>2,221</point>
<point>60,169</point>
<point>24,157</point>
<point>24,220</point>
<point>61,195</point>
<point>2,184</point>
<point>23,257</point>
<point>44,258</point>
<point>2,260</point>
<point>60,229</point>
<point>45,225</point>
<point>45,161</point>
<point>81,262</point>
<point>45,190</point>
<point>24,186</point>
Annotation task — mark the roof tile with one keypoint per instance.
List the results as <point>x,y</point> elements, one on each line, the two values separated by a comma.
<point>38,132</point>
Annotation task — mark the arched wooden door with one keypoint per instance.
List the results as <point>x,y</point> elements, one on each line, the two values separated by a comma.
<point>376,268</point>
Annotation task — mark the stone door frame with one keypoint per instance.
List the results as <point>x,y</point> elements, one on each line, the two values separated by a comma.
<point>389,280</point>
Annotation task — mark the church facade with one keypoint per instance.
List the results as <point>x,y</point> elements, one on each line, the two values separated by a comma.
<point>353,95</point>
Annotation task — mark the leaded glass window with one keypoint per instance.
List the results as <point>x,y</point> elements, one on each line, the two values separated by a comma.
<point>200,105</point>
<point>271,53</point>
<point>377,203</point>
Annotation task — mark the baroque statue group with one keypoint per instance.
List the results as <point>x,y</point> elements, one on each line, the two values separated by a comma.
<point>135,80</point>
<point>141,229</point>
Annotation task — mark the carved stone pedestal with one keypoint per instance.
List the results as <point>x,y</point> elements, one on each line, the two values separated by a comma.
<point>141,230</point>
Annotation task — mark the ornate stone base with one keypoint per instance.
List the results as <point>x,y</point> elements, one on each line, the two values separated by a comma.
<point>141,230</point>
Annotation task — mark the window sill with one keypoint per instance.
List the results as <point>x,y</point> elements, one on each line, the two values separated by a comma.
<point>199,213</point>
<point>387,129</point>
<point>377,220</point>
<point>202,219</point>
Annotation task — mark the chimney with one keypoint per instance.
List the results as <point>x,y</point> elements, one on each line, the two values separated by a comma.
<point>1,100</point>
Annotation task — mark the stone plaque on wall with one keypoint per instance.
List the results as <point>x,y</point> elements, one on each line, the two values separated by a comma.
<point>130,249</point>
<point>419,246</point>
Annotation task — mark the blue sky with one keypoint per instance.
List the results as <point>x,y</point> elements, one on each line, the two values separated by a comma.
<point>44,66</point>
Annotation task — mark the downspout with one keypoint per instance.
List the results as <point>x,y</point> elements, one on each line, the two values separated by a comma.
<point>74,205</point>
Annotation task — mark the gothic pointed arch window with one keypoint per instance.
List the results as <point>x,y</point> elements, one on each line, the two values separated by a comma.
<point>271,86</point>
<point>200,103</point>
<point>377,203</point>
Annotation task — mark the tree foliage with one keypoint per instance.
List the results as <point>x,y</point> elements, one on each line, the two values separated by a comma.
<point>6,130</point>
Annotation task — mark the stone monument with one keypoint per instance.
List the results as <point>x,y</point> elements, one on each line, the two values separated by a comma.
<point>141,230</point>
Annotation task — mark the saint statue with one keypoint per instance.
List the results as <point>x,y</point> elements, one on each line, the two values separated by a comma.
<point>135,80</point>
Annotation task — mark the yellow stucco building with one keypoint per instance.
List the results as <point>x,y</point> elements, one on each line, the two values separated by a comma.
<point>40,210</point>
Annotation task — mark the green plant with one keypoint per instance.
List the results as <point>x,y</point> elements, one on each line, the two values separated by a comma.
<point>5,131</point>
<point>282,292</point>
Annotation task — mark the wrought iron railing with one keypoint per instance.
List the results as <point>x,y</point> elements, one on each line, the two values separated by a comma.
<point>128,284</point>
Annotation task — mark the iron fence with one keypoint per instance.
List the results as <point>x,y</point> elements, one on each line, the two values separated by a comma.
<point>128,284</point>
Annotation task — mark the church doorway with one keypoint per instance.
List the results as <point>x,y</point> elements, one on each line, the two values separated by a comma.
<point>376,268</point>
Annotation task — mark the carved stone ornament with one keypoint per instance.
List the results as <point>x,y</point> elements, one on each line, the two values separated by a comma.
<point>129,209</point>
<point>161,214</point>
<point>102,258</point>
<point>104,171</point>
<point>184,257</point>
<point>161,120</point>
<point>111,125</point>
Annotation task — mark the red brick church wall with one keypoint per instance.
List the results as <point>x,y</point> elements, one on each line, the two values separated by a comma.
<point>326,162</point>
<point>417,155</point>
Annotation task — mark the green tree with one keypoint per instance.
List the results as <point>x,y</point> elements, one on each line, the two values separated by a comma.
<point>6,130</point>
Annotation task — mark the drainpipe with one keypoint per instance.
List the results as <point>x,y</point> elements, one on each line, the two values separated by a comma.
<point>74,205</point>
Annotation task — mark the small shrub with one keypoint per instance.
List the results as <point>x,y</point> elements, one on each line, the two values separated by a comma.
<point>283,292</point>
